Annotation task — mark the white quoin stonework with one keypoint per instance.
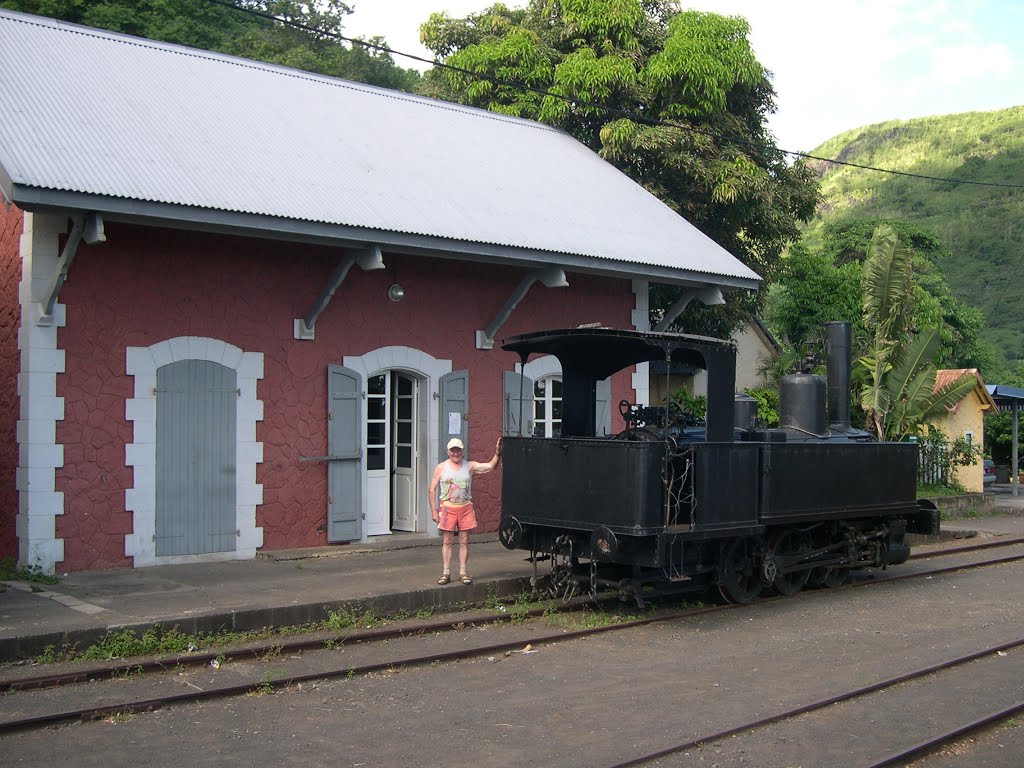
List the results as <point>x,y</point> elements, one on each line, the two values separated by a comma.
<point>40,409</point>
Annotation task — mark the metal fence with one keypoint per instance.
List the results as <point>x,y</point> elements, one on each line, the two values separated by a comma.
<point>931,463</point>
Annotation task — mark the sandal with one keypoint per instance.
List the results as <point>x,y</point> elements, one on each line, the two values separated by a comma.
<point>445,578</point>
<point>465,579</point>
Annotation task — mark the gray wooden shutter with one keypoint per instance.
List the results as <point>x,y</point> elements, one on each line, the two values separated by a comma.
<point>512,386</point>
<point>345,450</point>
<point>454,397</point>
<point>196,476</point>
<point>603,417</point>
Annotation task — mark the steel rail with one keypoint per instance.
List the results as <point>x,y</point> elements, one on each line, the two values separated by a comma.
<point>241,689</point>
<point>950,569</point>
<point>244,688</point>
<point>166,663</point>
<point>288,680</point>
<point>969,548</point>
<point>944,738</point>
<point>823,703</point>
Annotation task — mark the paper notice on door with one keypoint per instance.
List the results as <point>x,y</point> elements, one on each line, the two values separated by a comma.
<point>454,423</point>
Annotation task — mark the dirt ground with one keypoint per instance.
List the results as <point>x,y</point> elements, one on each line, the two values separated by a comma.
<point>604,699</point>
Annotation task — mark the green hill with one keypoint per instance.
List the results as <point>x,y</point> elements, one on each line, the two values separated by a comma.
<point>981,226</point>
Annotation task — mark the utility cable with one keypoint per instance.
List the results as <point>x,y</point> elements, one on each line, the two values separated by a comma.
<point>579,102</point>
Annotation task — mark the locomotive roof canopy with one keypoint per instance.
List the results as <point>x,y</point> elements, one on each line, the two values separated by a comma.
<point>600,352</point>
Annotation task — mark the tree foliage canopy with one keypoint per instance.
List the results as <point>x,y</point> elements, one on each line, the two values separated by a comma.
<point>818,285</point>
<point>211,27</point>
<point>675,99</point>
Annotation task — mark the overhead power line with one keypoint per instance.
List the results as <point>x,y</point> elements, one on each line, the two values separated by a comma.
<point>611,110</point>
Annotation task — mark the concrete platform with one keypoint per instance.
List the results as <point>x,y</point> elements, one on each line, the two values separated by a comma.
<point>276,589</point>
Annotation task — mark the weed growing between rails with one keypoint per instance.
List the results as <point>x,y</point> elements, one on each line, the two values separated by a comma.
<point>157,641</point>
<point>127,643</point>
<point>349,617</point>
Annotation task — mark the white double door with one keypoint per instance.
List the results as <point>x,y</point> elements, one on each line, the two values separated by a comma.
<point>392,455</point>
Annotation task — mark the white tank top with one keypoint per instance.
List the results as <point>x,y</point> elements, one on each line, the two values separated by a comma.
<point>455,484</point>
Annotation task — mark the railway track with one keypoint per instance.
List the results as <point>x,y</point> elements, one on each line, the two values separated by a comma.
<point>948,736</point>
<point>895,757</point>
<point>143,704</point>
<point>122,668</point>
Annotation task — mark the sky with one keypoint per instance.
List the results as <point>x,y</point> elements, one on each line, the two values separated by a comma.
<point>835,64</point>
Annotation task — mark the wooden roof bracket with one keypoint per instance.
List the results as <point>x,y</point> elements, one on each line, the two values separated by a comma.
<point>551,277</point>
<point>367,259</point>
<point>88,227</point>
<point>705,294</point>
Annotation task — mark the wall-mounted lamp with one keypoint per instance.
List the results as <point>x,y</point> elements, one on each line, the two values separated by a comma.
<point>396,292</point>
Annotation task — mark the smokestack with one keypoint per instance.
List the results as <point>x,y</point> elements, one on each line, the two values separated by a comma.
<point>837,362</point>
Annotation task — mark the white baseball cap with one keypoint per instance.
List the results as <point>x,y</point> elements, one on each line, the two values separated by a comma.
<point>455,443</point>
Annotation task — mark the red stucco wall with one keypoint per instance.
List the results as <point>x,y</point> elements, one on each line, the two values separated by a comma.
<point>10,320</point>
<point>143,286</point>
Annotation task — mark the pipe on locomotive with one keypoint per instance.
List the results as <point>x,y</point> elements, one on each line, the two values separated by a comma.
<point>837,364</point>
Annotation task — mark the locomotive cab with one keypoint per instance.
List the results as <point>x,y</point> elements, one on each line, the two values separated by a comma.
<point>668,503</point>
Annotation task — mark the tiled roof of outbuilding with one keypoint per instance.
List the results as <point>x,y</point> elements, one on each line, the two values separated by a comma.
<point>946,376</point>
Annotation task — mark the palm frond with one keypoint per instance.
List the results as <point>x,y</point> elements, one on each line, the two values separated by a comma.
<point>919,389</point>
<point>948,395</point>
<point>920,352</point>
<point>887,283</point>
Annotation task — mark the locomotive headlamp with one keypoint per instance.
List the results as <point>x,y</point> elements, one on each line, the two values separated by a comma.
<point>396,292</point>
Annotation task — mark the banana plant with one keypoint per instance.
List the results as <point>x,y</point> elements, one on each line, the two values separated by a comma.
<point>908,392</point>
<point>899,364</point>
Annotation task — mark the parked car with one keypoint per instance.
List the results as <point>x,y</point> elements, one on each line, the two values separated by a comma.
<point>990,472</point>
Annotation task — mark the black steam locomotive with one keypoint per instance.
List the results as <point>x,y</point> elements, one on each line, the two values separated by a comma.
<point>669,502</point>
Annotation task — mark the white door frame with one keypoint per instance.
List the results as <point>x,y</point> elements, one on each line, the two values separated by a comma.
<point>429,370</point>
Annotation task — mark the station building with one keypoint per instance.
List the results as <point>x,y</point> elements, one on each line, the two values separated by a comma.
<point>244,307</point>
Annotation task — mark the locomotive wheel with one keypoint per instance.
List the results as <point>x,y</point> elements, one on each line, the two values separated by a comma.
<point>829,578</point>
<point>738,580</point>
<point>788,543</point>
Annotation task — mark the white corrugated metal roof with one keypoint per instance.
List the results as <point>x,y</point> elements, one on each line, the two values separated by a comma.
<point>98,114</point>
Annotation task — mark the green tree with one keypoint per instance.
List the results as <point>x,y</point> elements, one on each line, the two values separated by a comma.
<point>676,100</point>
<point>898,366</point>
<point>960,325</point>
<point>308,42</point>
<point>767,404</point>
<point>810,292</point>
<point>817,285</point>
<point>999,424</point>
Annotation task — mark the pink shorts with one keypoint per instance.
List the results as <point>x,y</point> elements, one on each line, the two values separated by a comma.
<point>457,518</point>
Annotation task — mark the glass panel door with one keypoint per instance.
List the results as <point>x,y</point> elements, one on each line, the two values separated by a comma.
<point>378,442</point>
<point>403,498</point>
